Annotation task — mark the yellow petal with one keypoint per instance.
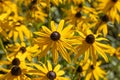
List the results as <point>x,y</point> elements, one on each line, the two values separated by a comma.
<point>53,27</point>
<point>59,73</point>
<point>46,30</point>
<point>49,66</point>
<point>101,52</point>
<point>60,26</point>
<point>57,68</point>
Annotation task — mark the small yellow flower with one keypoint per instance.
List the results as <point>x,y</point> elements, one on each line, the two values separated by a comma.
<point>16,73</point>
<point>74,16</point>
<point>110,8</point>
<point>82,68</point>
<point>91,46</point>
<point>48,72</point>
<point>101,25</point>
<point>95,72</point>
<point>23,50</point>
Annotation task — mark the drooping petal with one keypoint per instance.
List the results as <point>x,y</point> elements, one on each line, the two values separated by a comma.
<point>101,52</point>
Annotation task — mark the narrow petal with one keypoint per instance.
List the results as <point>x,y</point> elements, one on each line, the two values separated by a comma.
<point>88,76</point>
<point>40,68</point>
<point>49,66</point>
<point>60,73</point>
<point>55,53</point>
<point>101,52</point>
<point>46,30</point>
<point>60,26</point>
<point>93,54</point>
<point>57,68</point>
<point>96,75</point>
<point>53,27</point>
<point>64,52</point>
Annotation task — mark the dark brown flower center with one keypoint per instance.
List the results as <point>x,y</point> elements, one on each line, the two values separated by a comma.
<point>92,67</point>
<point>51,75</point>
<point>55,36</point>
<point>105,18</point>
<point>15,61</point>
<point>79,69</point>
<point>2,72</point>
<point>90,39</point>
<point>114,0</point>
<point>1,0</point>
<point>34,1</point>
<point>6,42</point>
<point>78,15</point>
<point>80,5</point>
<point>23,49</point>
<point>16,71</point>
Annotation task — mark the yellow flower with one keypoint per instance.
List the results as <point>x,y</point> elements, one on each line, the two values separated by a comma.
<point>82,68</point>
<point>59,39</point>
<point>101,25</point>
<point>36,10</point>
<point>73,15</point>
<point>82,6</point>
<point>48,72</point>
<point>16,73</point>
<point>110,8</point>
<point>18,60</point>
<point>38,14</point>
<point>17,29</point>
<point>91,46</point>
<point>95,72</point>
<point>22,50</point>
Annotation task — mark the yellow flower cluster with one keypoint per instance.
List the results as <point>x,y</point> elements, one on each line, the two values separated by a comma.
<point>39,37</point>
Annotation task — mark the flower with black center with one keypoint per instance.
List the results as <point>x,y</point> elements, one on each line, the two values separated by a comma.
<point>110,8</point>
<point>47,72</point>
<point>102,25</point>
<point>14,60</point>
<point>74,15</point>
<point>82,68</point>
<point>16,28</point>
<point>91,46</point>
<point>95,71</point>
<point>16,73</point>
<point>24,52</point>
<point>57,39</point>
